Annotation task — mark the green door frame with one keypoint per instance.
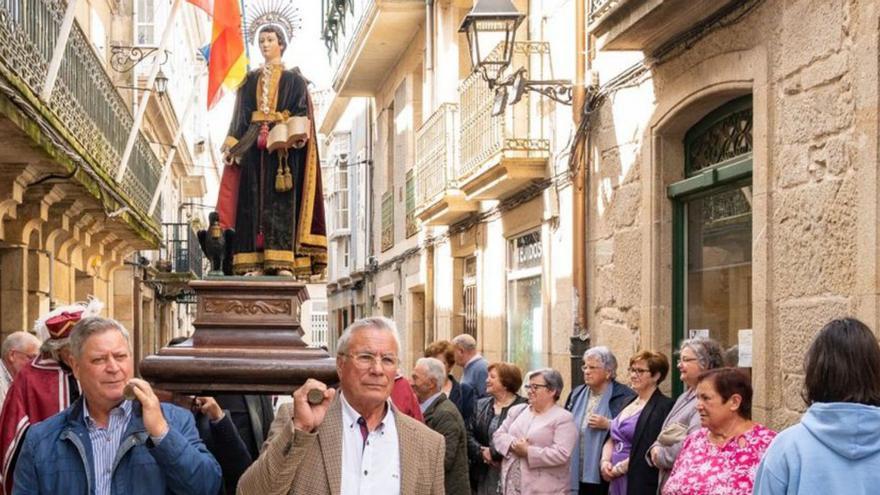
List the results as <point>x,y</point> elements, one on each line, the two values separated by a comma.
<point>730,173</point>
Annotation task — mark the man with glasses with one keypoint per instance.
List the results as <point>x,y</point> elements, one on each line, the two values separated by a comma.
<point>354,441</point>
<point>19,348</point>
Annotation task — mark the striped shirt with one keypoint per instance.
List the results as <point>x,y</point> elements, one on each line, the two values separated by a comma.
<point>105,444</point>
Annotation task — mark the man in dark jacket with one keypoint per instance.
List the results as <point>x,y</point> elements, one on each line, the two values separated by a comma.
<point>442,416</point>
<point>104,444</point>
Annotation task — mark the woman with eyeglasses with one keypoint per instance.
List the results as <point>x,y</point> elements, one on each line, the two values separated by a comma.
<point>636,427</point>
<point>593,405</point>
<point>536,440</point>
<point>696,355</point>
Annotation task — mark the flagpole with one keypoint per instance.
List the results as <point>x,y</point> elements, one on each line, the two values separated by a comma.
<point>247,42</point>
<point>142,107</point>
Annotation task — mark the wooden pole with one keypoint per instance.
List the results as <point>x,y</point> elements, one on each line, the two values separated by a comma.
<point>579,203</point>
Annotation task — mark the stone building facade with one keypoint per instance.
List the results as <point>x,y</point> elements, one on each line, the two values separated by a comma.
<point>68,229</point>
<point>732,178</point>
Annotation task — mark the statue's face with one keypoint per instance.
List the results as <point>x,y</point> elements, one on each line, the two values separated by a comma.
<point>269,46</point>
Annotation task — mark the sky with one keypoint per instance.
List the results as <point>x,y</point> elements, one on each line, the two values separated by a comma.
<point>306,50</point>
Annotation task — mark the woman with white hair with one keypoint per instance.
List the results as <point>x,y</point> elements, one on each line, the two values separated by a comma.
<point>594,405</point>
<point>536,440</point>
<point>696,355</point>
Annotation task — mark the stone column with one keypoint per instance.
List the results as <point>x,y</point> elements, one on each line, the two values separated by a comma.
<point>38,284</point>
<point>13,289</point>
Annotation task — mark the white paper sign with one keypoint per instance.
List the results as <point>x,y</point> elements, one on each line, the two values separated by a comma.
<point>745,348</point>
<point>698,332</point>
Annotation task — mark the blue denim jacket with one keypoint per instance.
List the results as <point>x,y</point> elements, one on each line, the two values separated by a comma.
<point>56,457</point>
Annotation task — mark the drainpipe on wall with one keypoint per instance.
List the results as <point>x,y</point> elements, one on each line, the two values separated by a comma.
<point>580,339</point>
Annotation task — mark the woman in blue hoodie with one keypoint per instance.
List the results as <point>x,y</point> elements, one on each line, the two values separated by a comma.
<point>836,446</point>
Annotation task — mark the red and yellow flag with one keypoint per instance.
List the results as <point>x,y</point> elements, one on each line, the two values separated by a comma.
<point>227,66</point>
<point>206,5</point>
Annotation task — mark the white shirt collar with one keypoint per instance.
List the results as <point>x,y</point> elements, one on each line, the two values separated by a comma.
<point>350,416</point>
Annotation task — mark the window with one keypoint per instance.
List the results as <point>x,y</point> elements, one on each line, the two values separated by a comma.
<point>525,313</point>
<point>344,249</point>
<point>145,23</point>
<point>469,293</point>
<point>712,230</point>
<point>342,170</point>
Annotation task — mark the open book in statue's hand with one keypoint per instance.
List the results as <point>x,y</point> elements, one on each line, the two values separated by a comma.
<point>291,133</point>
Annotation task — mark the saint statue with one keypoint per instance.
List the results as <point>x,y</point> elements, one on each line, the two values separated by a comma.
<point>270,193</point>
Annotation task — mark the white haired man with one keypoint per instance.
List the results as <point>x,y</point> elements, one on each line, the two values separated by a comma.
<point>355,441</point>
<point>105,444</point>
<point>19,348</point>
<point>442,416</point>
<point>475,366</point>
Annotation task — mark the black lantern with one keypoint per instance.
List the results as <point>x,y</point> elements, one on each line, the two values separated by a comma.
<point>491,24</point>
<point>161,83</point>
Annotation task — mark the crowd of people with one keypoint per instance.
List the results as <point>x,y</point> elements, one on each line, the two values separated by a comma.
<point>70,426</point>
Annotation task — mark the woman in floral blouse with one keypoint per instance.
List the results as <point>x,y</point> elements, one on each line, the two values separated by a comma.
<point>721,457</point>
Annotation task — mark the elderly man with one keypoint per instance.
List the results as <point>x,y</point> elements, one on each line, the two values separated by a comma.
<point>475,366</point>
<point>104,443</point>
<point>355,441</point>
<point>19,348</point>
<point>44,386</point>
<point>442,416</point>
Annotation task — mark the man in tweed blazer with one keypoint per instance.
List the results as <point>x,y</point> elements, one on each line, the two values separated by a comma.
<point>356,442</point>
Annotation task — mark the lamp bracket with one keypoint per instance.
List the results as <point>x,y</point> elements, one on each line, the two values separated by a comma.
<point>124,58</point>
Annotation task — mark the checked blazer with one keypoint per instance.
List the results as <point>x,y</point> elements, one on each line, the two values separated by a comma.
<point>296,462</point>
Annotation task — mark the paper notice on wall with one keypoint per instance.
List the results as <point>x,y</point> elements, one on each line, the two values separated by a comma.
<point>745,348</point>
<point>698,332</point>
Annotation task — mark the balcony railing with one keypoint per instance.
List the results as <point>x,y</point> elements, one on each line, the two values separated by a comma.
<point>598,8</point>
<point>436,154</point>
<point>518,132</point>
<point>86,107</point>
<point>182,249</point>
<point>387,220</point>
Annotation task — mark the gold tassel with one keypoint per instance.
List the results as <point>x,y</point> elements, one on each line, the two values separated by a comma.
<point>279,176</point>
<point>288,177</point>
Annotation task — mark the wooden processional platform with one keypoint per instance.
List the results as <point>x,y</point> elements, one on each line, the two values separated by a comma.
<point>247,339</point>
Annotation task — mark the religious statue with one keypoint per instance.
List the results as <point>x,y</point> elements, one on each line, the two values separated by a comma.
<point>270,193</point>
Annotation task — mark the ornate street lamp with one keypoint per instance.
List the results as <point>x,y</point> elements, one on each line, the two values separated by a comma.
<point>491,24</point>
<point>159,86</point>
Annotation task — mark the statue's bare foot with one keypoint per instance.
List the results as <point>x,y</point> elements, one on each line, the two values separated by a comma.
<point>255,273</point>
<point>284,273</point>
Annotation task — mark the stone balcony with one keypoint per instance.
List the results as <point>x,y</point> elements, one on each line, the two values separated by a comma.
<point>367,39</point>
<point>438,199</point>
<point>645,25</point>
<point>501,154</point>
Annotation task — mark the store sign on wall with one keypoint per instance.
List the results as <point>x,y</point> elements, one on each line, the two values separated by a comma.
<point>526,251</point>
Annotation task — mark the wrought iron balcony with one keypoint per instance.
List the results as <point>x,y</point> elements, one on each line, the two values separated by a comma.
<point>180,260</point>
<point>647,25</point>
<point>85,106</point>
<point>438,200</point>
<point>500,154</point>
<point>387,221</point>
<point>412,224</point>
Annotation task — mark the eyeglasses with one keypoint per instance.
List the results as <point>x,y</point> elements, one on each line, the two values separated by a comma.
<point>686,360</point>
<point>639,371</point>
<point>535,386</point>
<point>30,356</point>
<point>366,360</point>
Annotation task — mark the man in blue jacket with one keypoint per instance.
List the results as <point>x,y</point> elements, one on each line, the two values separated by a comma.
<point>103,444</point>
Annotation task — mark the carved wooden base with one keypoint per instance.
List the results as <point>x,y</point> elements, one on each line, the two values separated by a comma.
<point>248,339</point>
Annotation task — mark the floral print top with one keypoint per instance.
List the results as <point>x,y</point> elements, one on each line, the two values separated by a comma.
<point>702,468</point>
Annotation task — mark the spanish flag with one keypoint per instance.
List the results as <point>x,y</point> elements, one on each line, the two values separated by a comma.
<point>206,5</point>
<point>227,65</point>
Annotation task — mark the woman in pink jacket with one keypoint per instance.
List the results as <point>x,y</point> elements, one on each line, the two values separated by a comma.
<point>537,440</point>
